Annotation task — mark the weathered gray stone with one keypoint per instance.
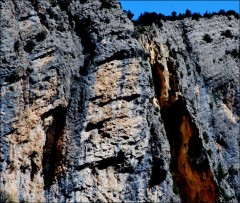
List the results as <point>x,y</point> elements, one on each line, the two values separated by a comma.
<point>82,118</point>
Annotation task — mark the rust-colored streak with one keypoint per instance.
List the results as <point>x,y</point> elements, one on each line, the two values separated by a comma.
<point>195,186</point>
<point>195,181</point>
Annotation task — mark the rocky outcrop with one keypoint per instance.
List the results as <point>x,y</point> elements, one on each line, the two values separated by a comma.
<point>89,113</point>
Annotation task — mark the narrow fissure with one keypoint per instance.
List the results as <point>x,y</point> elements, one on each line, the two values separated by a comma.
<point>189,164</point>
<point>55,145</point>
<point>44,54</point>
<point>125,98</point>
<point>88,45</point>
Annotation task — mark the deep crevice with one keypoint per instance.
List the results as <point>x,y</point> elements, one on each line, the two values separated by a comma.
<point>189,164</point>
<point>55,145</point>
<point>159,174</point>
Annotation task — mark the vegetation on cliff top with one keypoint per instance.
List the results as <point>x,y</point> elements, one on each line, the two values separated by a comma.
<point>147,18</point>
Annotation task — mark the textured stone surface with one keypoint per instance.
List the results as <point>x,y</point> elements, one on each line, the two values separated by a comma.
<point>84,110</point>
<point>205,77</point>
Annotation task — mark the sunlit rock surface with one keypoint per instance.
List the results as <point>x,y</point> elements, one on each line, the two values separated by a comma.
<point>90,113</point>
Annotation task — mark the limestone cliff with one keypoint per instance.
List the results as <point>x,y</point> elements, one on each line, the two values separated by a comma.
<point>89,113</point>
<point>197,85</point>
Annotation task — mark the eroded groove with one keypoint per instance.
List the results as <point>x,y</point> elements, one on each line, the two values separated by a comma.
<point>81,167</point>
<point>111,161</point>
<point>55,145</point>
<point>43,55</point>
<point>91,126</point>
<point>119,162</point>
<point>26,17</point>
<point>189,164</point>
<point>125,98</point>
<point>99,125</point>
<point>95,98</point>
<point>120,55</point>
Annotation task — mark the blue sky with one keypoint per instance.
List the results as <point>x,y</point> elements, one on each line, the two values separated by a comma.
<point>166,7</point>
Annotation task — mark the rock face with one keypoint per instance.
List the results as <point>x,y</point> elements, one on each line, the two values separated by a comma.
<point>197,85</point>
<point>90,113</point>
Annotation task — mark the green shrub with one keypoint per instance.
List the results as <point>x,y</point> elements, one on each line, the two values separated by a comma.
<point>61,28</point>
<point>232,12</point>
<point>196,16</point>
<point>41,36</point>
<point>147,18</point>
<point>4,60</point>
<point>137,31</point>
<point>30,45</point>
<point>220,175</point>
<point>207,38</point>
<point>106,4</point>
<point>175,188</point>
<point>52,14</point>
<point>227,34</point>
<point>234,53</point>
<point>17,45</point>
<point>205,137</point>
<point>216,97</point>
<point>173,52</point>
<point>30,70</point>
<point>135,34</point>
<point>5,197</point>
<point>207,15</point>
<point>47,152</point>
<point>209,152</point>
<point>54,2</point>
<point>129,14</point>
<point>107,20</point>
<point>13,77</point>
<point>224,194</point>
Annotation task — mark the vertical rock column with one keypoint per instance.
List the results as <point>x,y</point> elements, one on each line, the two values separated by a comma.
<point>115,142</point>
